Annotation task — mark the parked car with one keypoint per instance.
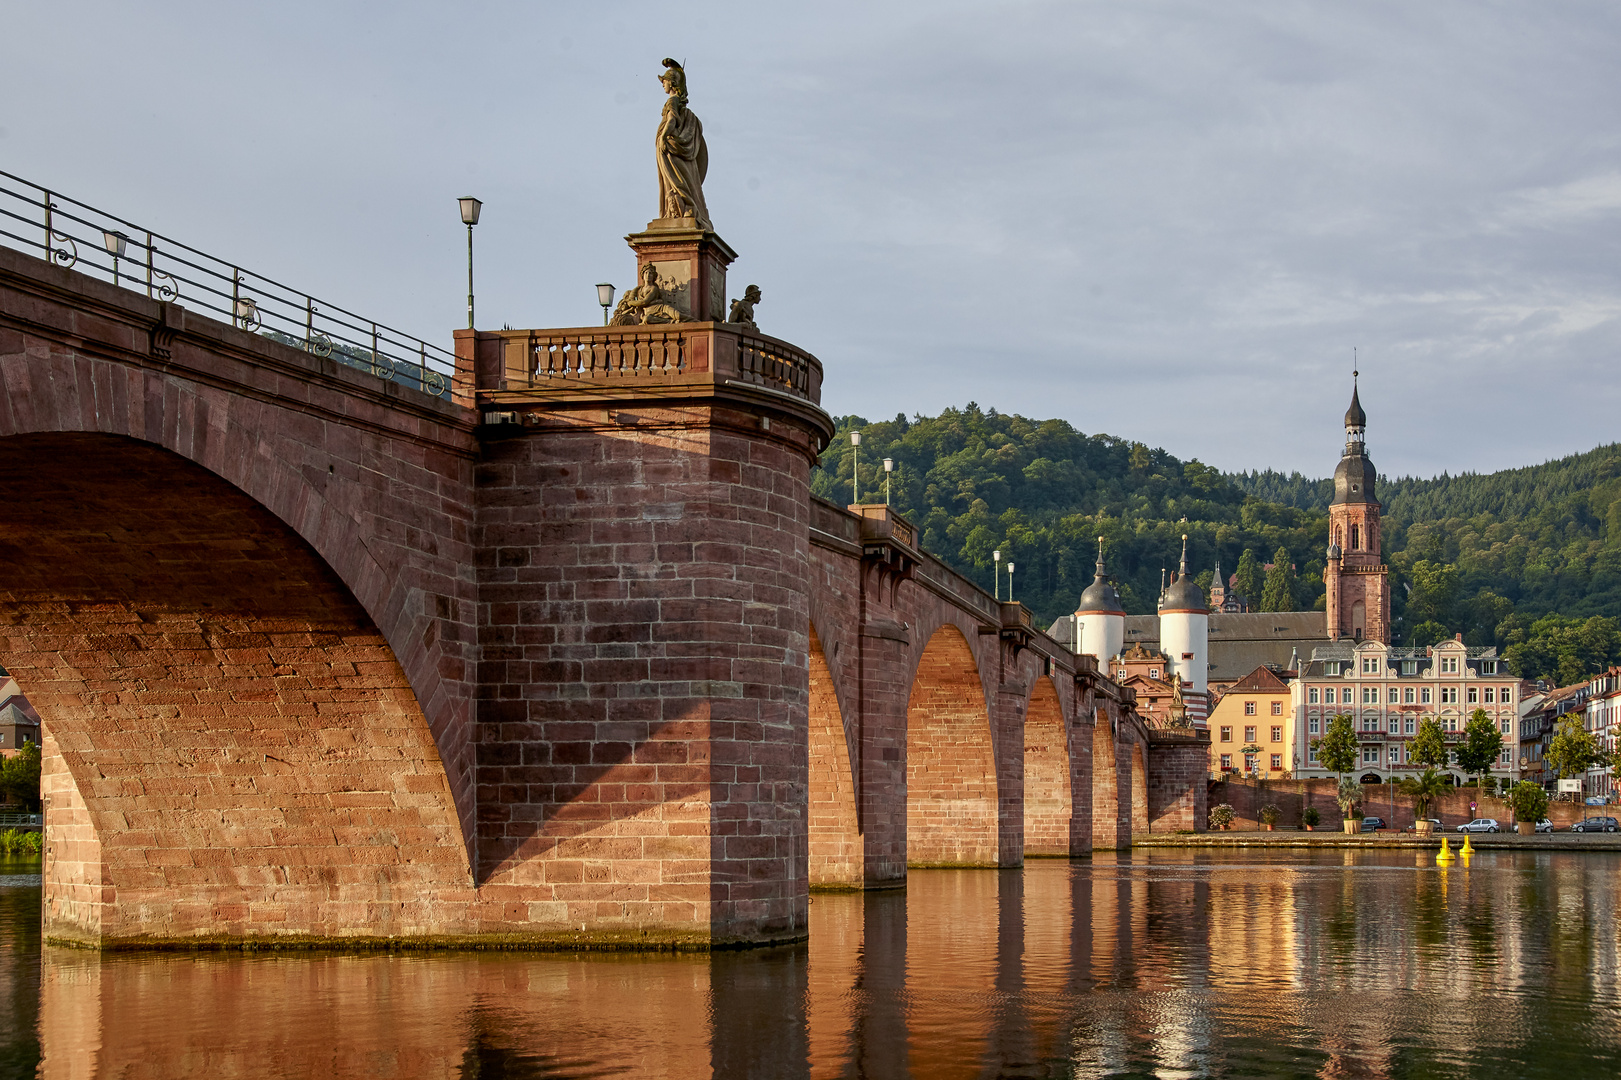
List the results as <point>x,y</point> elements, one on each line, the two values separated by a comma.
<point>1596,824</point>
<point>1481,824</point>
<point>1544,825</point>
<point>1372,824</point>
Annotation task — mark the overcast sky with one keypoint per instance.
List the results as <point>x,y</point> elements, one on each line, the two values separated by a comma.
<point>1165,221</point>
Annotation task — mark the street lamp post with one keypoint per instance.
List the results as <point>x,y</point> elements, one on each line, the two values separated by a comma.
<point>889,467</point>
<point>470,208</point>
<point>996,561</point>
<point>114,242</point>
<point>855,468</point>
<point>605,297</point>
<point>1010,581</point>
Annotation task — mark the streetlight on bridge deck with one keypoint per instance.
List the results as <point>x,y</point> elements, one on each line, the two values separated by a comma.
<point>470,208</point>
<point>605,297</point>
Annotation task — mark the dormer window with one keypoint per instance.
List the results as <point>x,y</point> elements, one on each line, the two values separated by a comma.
<point>1153,673</point>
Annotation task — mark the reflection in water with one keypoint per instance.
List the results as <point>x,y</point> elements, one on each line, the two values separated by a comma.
<point>1164,963</point>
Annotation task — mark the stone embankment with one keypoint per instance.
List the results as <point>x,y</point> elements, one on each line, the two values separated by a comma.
<point>1559,841</point>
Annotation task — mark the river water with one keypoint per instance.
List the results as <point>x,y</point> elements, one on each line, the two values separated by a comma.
<point>1167,963</point>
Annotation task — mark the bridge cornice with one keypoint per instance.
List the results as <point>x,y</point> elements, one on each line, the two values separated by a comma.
<point>101,319</point>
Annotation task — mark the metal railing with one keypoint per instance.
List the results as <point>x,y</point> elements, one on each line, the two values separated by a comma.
<point>13,821</point>
<point>73,234</point>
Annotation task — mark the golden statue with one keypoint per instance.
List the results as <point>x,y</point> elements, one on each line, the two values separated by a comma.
<point>682,154</point>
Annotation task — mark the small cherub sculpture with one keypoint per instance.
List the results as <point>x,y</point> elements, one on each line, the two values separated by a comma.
<point>646,303</point>
<point>743,310</point>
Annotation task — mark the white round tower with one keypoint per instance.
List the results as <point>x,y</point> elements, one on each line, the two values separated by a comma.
<point>1184,629</point>
<point>1101,618</point>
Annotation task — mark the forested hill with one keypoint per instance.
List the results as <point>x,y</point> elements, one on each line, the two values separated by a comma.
<point>1482,555</point>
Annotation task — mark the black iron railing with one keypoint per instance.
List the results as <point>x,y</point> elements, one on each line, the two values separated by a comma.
<point>74,234</point>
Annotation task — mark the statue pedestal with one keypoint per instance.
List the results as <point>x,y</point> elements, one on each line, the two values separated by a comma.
<point>691,265</point>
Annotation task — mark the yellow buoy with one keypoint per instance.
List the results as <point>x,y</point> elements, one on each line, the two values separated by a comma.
<point>1467,849</point>
<point>1445,854</point>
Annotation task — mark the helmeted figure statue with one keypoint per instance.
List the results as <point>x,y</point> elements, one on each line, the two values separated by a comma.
<point>646,303</point>
<point>743,310</point>
<point>682,154</point>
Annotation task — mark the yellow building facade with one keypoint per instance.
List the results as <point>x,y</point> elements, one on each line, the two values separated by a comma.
<point>1255,711</point>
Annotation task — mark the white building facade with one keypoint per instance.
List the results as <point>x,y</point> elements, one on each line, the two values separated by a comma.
<point>1602,717</point>
<point>1389,691</point>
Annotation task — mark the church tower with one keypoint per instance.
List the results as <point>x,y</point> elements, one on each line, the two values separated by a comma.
<point>1358,605</point>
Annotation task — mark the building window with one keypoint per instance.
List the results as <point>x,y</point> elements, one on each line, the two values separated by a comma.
<point>1122,674</point>
<point>1249,762</point>
<point>1345,695</point>
<point>1395,695</point>
<point>1311,726</point>
<point>1311,755</point>
<point>1488,667</point>
<point>1153,673</point>
<point>1407,695</point>
<point>1474,695</point>
<point>1249,734</point>
<point>1277,708</point>
<point>1370,695</point>
<point>1449,665</point>
<point>1370,723</point>
<point>1424,695</point>
<point>1277,762</point>
<point>1394,755</point>
<point>1395,725</point>
<point>1277,734</point>
<point>1370,755</point>
<point>1490,693</point>
<point>1356,538</point>
<point>1226,734</point>
<point>1504,760</point>
<point>1249,708</point>
<point>1410,725</point>
<point>1503,696</point>
<point>1226,762</point>
<point>1311,696</point>
<point>1409,667</point>
<point>1449,695</point>
<point>1450,723</point>
<point>1507,725</point>
<point>1370,665</point>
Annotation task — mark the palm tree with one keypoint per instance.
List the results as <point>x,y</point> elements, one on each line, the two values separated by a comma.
<point>1424,790</point>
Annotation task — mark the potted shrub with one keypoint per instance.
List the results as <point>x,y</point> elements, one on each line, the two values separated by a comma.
<point>1529,803</point>
<point>1348,795</point>
<point>1221,816</point>
<point>1310,818</point>
<point>1424,790</point>
<point>1269,816</point>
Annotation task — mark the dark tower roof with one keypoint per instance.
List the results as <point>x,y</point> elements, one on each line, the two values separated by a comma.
<point>1355,476</point>
<point>1183,595</point>
<point>1100,596</point>
<point>1354,416</point>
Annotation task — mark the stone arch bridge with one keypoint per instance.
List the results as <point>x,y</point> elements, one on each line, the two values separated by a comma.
<point>571,659</point>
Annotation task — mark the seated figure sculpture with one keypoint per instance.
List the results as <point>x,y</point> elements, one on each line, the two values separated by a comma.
<point>743,310</point>
<point>646,303</point>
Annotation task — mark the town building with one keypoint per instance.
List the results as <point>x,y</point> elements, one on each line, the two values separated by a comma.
<point>1600,718</point>
<point>19,723</point>
<point>1389,691</point>
<point>1240,642</point>
<point>1255,711</point>
<point>1540,711</point>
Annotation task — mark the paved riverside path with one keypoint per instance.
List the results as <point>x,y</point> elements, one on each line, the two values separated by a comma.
<point>1566,841</point>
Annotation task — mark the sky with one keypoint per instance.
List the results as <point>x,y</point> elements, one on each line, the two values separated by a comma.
<point>1166,221</point>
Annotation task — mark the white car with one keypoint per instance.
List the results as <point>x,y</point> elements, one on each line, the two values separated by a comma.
<point>1481,824</point>
<point>1544,825</point>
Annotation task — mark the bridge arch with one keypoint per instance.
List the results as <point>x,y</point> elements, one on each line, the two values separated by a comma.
<point>1048,800</point>
<point>356,473</point>
<point>223,714</point>
<point>951,786</point>
<point>833,829</point>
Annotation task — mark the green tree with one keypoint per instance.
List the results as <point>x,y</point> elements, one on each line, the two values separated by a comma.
<point>1481,744</point>
<point>1424,789</point>
<point>1429,748</point>
<point>1528,801</point>
<point>1337,749</point>
<point>19,777</point>
<point>1435,588</point>
<point>1247,579</point>
<point>1573,749</point>
<point>1279,592</point>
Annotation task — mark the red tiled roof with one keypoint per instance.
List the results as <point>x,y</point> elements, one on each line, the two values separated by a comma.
<point>1261,680</point>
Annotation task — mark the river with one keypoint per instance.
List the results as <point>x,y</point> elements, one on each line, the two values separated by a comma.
<point>1166,963</point>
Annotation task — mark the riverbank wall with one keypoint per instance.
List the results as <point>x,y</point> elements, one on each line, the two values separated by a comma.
<point>1291,797</point>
